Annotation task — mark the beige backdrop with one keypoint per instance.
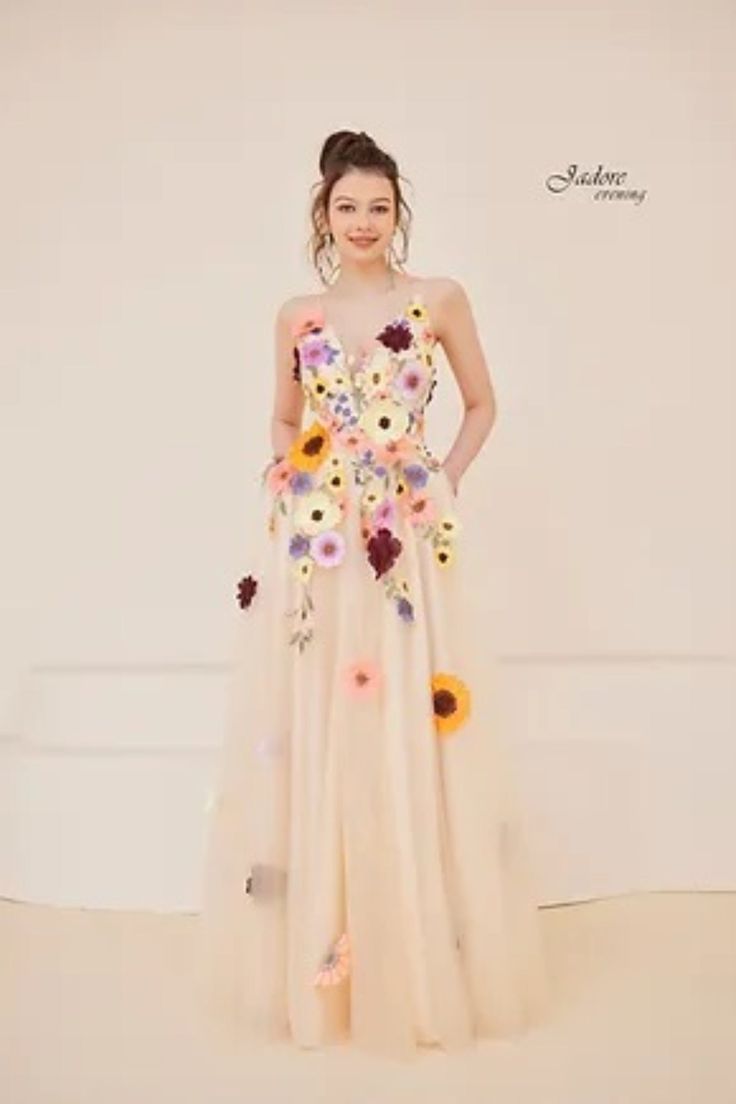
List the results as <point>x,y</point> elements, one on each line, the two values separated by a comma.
<point>157,160</point>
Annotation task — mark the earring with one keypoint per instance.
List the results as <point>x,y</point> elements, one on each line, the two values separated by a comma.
<point>332,265</point>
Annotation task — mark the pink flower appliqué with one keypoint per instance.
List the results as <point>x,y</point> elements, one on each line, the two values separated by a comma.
<point>421,510</point>
<point>362,679</point>
<point>388,452</point>
<point>306,320</point>
<point>355,439</point>
<point>336,964</point>
<point>412,379</point>
<point>278,476</point>
<point>385,514</point>
<point>328,548</point>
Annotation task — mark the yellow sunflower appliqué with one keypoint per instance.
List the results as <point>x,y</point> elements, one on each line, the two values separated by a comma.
<point>317,389</point>
<point>310,448</point>
<point>450,702</point>
<point>417,311</point>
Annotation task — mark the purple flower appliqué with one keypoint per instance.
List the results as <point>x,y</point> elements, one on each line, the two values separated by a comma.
<point>316,351</point>
<point>301,482</point>
<point>416,474</point>
<point>397,336</point>
<point>298,545</point>
<point>405,609</point>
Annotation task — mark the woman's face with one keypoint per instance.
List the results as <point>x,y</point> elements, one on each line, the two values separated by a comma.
<point>361,215</point>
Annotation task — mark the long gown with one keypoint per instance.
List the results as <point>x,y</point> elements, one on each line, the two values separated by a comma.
<point>367,875</point>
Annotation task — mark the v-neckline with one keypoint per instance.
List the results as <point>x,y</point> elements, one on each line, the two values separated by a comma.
<point>366,349</point>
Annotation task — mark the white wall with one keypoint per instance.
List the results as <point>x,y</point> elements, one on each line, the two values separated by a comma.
<point>157,165</point>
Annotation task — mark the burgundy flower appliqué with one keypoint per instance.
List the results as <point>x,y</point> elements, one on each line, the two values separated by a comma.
<point>383,551</point>
<point>247,588</point>
<point>397,336</point>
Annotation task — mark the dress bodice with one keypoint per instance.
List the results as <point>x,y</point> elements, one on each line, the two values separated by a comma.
<point>360,469</point>
<point>372,404</point>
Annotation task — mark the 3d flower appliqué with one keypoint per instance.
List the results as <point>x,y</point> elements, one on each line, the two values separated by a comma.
<point>360,467</point>
<point>397,336</point>
<point>362,679</point>
<point>247,588</point>
<point>383,550</point>
<point>335,965</point>
<point>450,702</point>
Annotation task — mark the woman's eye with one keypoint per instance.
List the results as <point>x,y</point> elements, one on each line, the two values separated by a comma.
<point>343,207</point>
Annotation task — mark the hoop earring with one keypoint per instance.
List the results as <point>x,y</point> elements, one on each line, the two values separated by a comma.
<point>333,264</point>
<point>394,255</point>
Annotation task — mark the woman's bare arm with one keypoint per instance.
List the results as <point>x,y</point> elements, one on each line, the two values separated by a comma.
<point>288,396</point>
<point>454,325</point>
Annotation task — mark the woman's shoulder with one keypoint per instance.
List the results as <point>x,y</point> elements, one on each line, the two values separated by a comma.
<point>441,294</point>
<point>298,311</point>
<point>293,306</point>
<point>435,290</point>
<point>441,288</point>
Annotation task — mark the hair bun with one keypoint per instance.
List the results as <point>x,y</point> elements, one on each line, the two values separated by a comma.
<point>339,143</point>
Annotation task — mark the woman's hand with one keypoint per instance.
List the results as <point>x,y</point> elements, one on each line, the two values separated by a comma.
<point>452,479</point>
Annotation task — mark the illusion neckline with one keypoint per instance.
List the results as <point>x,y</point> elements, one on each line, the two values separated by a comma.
<point>368,348</point>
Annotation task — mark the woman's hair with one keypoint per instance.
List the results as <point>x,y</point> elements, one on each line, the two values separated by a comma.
<point>342,151</point>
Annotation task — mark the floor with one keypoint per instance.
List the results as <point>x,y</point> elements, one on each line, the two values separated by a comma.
<point>95,1009</point>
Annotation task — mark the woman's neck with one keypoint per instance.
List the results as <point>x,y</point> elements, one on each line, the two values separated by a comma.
<point>357,283</point>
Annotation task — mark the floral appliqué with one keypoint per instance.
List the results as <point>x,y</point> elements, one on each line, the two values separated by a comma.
<point>362,679</point>
<point>368,422</point>
<point>246,592</point>
<point>450,702</point>
<point>335,966</point>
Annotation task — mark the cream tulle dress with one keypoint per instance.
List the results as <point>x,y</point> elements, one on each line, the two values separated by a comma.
<point>367,875</point>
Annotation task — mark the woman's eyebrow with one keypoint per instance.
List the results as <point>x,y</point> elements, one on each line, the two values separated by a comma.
<point>376,199</point>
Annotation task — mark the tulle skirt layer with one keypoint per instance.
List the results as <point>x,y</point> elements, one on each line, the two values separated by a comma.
<point>367,875</point>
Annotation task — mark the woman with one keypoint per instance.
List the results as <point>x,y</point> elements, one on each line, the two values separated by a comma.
<point>366,875</point>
